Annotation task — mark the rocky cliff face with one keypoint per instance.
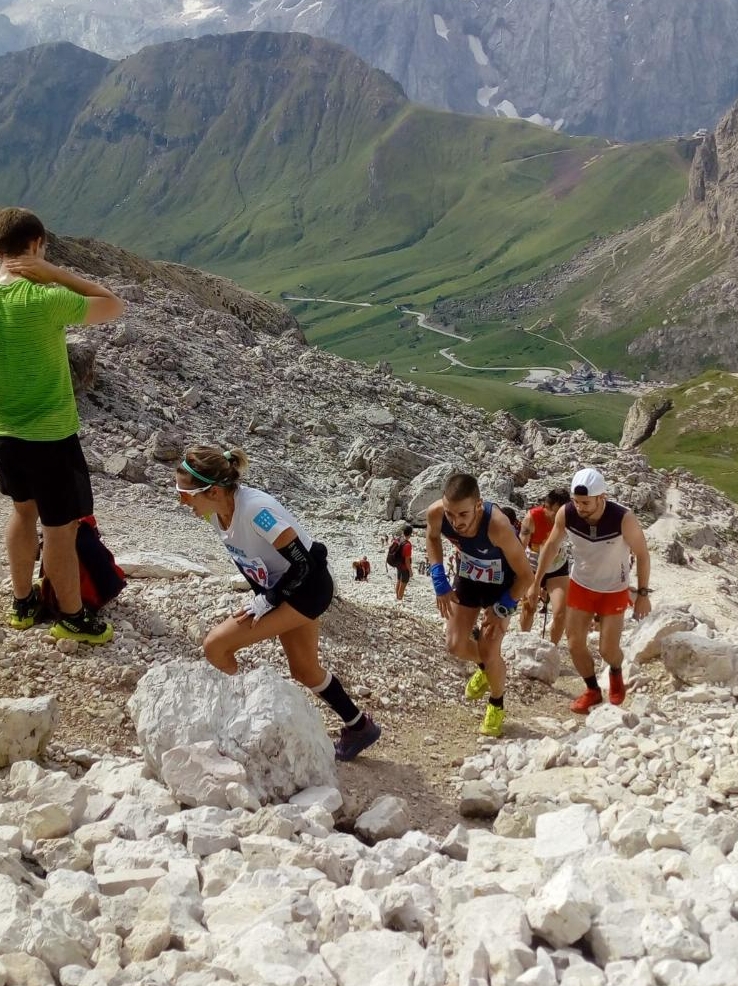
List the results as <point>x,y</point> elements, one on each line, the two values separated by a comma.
<point>642,420</point>
<point>614,67</point>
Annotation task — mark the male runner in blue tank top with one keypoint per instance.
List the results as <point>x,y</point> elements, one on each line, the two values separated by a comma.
<point>493,575</point>
<point>603,535</point>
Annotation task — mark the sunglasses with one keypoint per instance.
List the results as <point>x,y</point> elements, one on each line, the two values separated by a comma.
<point>192,492</point>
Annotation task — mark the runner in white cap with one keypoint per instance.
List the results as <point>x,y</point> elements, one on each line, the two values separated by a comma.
<point>603,535</point>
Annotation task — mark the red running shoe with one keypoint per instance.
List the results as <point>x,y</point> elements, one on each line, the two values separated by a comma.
<point>587,700</point>
<point>617,689</point>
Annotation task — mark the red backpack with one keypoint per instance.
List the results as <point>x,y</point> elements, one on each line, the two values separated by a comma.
<point>100,578</point>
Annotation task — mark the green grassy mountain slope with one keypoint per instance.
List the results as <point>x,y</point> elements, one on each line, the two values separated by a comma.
<point>700,432</point>
<point>281,160</point>
<point>289,165</point>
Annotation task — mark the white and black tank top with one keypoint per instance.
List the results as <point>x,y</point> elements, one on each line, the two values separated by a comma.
<point>601,554</point>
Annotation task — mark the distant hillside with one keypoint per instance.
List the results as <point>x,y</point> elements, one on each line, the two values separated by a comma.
<point>612,67</point>
<point>280,160</point>
<point>700,432</point>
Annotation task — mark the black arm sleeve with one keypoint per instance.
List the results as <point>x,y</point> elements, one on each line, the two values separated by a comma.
<point>302,564</point>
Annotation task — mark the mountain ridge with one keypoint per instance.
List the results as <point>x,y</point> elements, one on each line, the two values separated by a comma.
<point>608,67</point>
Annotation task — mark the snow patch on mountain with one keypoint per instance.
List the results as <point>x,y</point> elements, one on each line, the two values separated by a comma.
<point>485,94</point>
<point>195,10</point>
<point>480,56</point>
<point>317,5</point>
<point>441,28</point>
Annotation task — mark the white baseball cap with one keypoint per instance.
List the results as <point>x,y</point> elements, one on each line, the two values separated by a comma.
<point>592,481</point>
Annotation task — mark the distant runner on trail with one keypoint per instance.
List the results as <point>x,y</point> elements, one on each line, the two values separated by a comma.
<point>603,534</point>
<point>493,574</point>
<point>288,573</point>
<point>42,465</point>
<point>535,529</point>
<point>362,568</point>
<point>405,562</point>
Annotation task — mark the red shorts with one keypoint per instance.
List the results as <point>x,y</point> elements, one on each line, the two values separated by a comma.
<point>599,603</point>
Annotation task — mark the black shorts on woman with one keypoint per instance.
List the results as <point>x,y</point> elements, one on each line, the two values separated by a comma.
<point>315,595</point>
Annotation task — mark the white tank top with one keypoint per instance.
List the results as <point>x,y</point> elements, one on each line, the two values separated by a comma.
<point>600,552</point>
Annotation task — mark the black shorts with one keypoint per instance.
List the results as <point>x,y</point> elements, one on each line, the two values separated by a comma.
<point>53,474</point>
<point>315,595</point>
<point>403,575</point>
<point>481,595</point>
<point>560,573</point>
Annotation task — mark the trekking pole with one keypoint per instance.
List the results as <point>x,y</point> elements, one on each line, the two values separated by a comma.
<point>545,617</point>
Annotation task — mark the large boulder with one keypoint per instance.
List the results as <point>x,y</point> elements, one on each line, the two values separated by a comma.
<point>646,641</point>
<point>532,656</point>
<point>425,489</point>
<point>396,462</point>
<point>383,495</point>
<point>26,725</point>
<point>695,659</point>
<point>257,719</point>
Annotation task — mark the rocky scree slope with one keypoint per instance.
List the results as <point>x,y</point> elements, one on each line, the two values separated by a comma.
<point>624,69</point>
<point>645,790</point>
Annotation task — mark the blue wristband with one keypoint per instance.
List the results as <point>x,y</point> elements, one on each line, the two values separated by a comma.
<point>507,601</point>
<point>441,584</point>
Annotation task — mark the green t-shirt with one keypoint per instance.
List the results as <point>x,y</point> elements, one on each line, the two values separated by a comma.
<point>36,397</point>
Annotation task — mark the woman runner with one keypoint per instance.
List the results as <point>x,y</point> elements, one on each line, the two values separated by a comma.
<point>288,573</point>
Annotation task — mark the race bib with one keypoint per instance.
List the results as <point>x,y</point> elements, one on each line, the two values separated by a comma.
<point>253,569</point>
<point>481,569</point>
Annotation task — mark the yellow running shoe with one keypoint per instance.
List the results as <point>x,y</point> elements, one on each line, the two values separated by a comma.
<point>26,612</point>
<point>477,685</point>
<point>493,721</point>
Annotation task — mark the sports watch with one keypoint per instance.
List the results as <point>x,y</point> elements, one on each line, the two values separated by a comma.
<point>502,611</point>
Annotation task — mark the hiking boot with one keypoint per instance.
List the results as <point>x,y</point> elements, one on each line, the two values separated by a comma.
<point>352,741</point>
<point>587,700</point>
<point>25,612</point>
<point>493,721</point>
<point>477,685</point>
<point>84,626</point>
<point>617,689</point>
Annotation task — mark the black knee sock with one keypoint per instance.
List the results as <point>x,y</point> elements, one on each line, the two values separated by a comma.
<point>616,672</point>
<point>333,694</point>
<point>499,703</point>
<point>591,682</point>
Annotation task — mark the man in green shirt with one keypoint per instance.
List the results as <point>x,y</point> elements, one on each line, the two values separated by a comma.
<point>42,466</point>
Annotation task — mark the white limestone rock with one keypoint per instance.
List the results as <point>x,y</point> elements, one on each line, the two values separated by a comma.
<point>117,777</point>
<point>695,659</point>
<point>644,644</point>
<point>561,911</point>
<point>629,835</point>
<point>479,799</point>
<point>22,969</point>
<point>556,786</point>
<point>58,938</point>
<point>259,720</point>
<point>360,958</point>
<point>386,818</point>
<point>15,909</point>
<point>198,774</point>
<point>510,862</point>
<point>532,656</point>
<point>424,489</point>
<point>326,797</point>
<point>565,833</point>
<point>26,726</point>
<point>153,565</point>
